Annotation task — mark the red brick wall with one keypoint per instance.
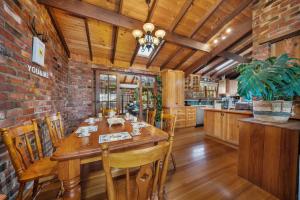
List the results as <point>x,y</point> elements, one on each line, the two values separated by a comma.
<point>80,94</point>
<point>273,19</point>
<point>23,95</point>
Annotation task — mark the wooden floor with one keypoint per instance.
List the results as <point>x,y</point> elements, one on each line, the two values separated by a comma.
<point>205,170</point>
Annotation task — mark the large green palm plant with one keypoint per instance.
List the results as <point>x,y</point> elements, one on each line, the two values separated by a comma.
<point>276,78</point>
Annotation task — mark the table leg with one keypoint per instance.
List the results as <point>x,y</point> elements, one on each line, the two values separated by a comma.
<point>69,174</point>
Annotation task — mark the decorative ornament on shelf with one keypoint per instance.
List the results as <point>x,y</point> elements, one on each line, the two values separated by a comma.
<point>147,40</point>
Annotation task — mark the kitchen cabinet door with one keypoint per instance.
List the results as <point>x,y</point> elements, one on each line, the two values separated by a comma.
<point>209,122</point>
<point>218,122</point>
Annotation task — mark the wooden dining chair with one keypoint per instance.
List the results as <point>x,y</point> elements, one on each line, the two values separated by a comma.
<point>167,124</point>
<point>150,116</point>
<point>150,179</point>
<point>25,150</point>
<point>56,129</point>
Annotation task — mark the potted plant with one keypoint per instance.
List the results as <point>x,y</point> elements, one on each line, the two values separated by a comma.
<point>271,84</point>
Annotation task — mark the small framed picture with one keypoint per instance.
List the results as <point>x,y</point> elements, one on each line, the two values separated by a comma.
<point>38,51</point>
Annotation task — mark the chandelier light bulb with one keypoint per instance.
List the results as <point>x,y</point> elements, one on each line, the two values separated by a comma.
<point>155,41</point>
<point>137,33</point>
<point>142,41</point>
<point>216,41</point>
<point>223,37</point>
<point>160,34</point>
<point>148,27</point>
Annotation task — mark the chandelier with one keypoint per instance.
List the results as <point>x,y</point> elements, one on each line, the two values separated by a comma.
<point>147,40</point>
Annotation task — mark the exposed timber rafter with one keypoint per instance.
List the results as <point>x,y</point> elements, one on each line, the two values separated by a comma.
<point>87,10</point>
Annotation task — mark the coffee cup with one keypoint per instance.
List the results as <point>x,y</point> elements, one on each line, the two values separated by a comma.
<point>85,131</point>
<point>134,119</point>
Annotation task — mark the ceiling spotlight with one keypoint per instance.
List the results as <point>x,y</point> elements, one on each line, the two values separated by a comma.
<point>216,41</point>
<point>223,37</point>
<point>228,30</point>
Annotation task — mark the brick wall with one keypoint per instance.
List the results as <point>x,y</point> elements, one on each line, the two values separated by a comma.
<point>273,19</point>
<point>23,95</point>
<point>80,94</point>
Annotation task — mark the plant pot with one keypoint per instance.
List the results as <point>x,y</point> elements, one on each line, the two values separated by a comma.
<point>272,111</point>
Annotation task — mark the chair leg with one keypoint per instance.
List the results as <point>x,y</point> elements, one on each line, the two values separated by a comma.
<point>35,188</point>
<point>21,190</point>
<point>173,161</point>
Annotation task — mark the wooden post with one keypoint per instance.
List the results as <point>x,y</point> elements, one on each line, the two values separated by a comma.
<point>69,174</point>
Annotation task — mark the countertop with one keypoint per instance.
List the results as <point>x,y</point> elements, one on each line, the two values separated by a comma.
<point>246,112</point>
<point>291,124</point>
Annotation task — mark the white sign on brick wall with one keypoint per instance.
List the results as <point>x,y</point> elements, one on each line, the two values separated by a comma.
<point>38,51</point>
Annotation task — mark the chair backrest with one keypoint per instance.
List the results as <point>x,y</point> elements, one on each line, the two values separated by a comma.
<point>56,128</point>
<point>150,117</point>
<point>168,122</point>
<point>151,176</point>
<point>23,144</point>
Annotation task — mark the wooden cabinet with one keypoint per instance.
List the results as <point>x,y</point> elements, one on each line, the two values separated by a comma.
<point>223,125</point>
<point>173,88</point>
<point>186,116</point>
<point>228,87</point>
<point>269,156</point>
<point>190,116</point>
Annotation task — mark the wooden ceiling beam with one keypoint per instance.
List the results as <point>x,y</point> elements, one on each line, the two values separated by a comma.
<point>58,31</point>
<point>240,31</point>
<point>206,17</point>
<point>227,19</point>
<point>233,56</point>
<point>136,50</point>
<point>115,33</point>
<point>184,9</point>
<point>83,9</point>
<point>183,60</point>
<point>155,53</point>
<point>150,13</point>
<point>173,55</point>
<point>217,73</point>
<point>203,20</point>
<point>212,65</point>
<point>87,30</point>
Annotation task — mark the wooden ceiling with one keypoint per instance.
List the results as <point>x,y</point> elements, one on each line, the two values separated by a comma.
<point>99,31</point>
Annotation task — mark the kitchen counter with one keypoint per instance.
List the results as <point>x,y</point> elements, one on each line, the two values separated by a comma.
<point>246,112</point>
<point>268,156</point>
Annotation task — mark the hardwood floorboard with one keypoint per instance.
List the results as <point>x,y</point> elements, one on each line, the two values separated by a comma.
<point>205,170</point>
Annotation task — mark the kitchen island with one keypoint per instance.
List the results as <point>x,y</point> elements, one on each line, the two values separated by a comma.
<point>222,124</point>
<point>269,156</point>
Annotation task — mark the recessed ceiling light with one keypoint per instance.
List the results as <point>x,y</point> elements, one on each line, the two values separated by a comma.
<point>223,37</point>
<point>216,41</point>
<point>228,30</point>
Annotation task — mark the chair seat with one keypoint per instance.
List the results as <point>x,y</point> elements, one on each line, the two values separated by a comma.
<point>40,168</point>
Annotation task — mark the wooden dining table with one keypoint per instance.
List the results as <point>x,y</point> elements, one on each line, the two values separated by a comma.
<point>74,151</point>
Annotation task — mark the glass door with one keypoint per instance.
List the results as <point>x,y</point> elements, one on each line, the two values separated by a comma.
<point>106,91</point>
